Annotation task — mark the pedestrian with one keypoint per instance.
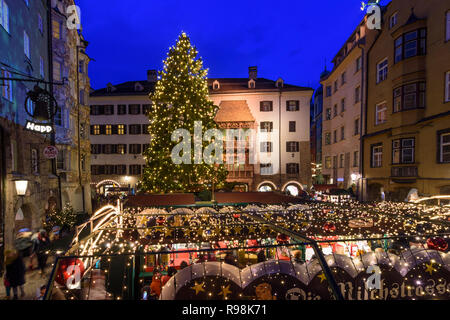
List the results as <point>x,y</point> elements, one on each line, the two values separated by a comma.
<point>170,272</point>
<point>41,248</point>
<point>183,264</point>
<point>41,293</point>
<point>7,287</point>
<point>15,272</point>
<point>155,286</point>
<point>261,256</point>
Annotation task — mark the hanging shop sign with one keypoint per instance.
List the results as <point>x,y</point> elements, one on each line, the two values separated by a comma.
<point>50,152</point>
<point>42,107</point>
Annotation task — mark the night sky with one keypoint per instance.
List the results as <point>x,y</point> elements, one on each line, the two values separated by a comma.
<point>288,39</point>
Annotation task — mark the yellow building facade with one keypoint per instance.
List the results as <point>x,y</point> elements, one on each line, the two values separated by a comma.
<point>406,139</point>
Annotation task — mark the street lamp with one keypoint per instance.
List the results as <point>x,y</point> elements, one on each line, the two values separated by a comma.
<point>21,186</point>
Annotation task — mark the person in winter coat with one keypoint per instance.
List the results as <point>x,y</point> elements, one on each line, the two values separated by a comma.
<point>170,272</point>
<point>156,286</point>
<point>41,247</point>
<point>15,272</point>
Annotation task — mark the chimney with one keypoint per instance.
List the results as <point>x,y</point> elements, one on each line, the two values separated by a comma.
<point>252,72</point>
<point>152,75</point>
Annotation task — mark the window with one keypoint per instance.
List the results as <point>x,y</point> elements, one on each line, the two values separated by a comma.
<point>121,129</point>
<point>27,2</point>
<point>291,126</point>
<point>82,97</point>
<point>135,129</point>
<point>403,151</point>
<point>410,44</point>
<point>382,70</point>
<point>266,106</point>
<point>357,94</point>
<point>335,86</point>
<point>328,91</point>
<point>292,146</point>
<point>83,162</point>
<point>444,146</point>
<point>108,109</point>
<point>266,146</point>
<point>121,148</point>
<point>358,64</point>
<point>96,148</point>
<point>266,126</point>
<point>342,133</point>
<point>26,44</point>
<point>292,105</point>
<point>4,15</point>
<point>57,29</point>
<point>6,86</point>
<point>335,162</point>
<point>146,108</point>
<point>393,20</point>
<point>327,138</point>
<point>356,127</point>
<point>134,109</point>
<point>81,66</point>
<point>447,37</point>
<point>335,136</point>
<point>57,71</point>
<point>292,168</point>
<point>145,146</point>
<point>121,169</point>
<point>376,155</point>
<point>409,96</point>
<point>341,160</point>
<point>381,113</point>
<point>134,149</point>
<point>266,168</point>
<point>34,161</point>
<point>145,129</point>
<point>343,80</point>
<point>447,86</point>
<point>328,114</point>
<point>40,24</point>
<point>135,169</point>
<point>356,158</point>
<point>108,129</point>
<point>327,162</point>
<point>121,109</point>
<point>343,105</point>
<point>41,67</point>
<point>61,160</point>
<point>95,129</point>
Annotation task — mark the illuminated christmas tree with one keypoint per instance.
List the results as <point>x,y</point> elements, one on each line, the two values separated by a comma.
<point>179,100</point>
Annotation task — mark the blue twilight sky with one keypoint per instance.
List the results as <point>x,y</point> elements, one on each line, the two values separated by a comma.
<point>288,39</point>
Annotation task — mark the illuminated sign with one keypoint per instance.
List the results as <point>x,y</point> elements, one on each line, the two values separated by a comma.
<point>39,127</point>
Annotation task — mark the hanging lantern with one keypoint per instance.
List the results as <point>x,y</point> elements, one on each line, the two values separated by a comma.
<point>43,106</point>
<point>437,243</point>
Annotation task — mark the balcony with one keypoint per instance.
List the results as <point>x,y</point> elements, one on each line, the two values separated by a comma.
<point>404,172</point>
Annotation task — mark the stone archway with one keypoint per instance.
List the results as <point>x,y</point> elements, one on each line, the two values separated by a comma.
<point>292,187</point>
<point>266,186</point>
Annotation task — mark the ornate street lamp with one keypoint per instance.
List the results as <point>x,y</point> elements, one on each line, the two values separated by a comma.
<point>21,187</point>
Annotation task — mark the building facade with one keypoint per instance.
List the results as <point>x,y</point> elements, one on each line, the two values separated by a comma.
<point>407,141</point>
<point>119,121</point>
<point>342,113</point>
<point>70,72</point>
<point>23,61</point>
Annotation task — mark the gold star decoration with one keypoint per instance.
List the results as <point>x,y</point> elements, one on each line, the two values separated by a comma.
<point>429,268</point>
<point>251,229</point>
<point>198,287</point>
<point>237,230</point>
<point>225,291</point>
<point>322,277</point>
<point>168,232</point>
